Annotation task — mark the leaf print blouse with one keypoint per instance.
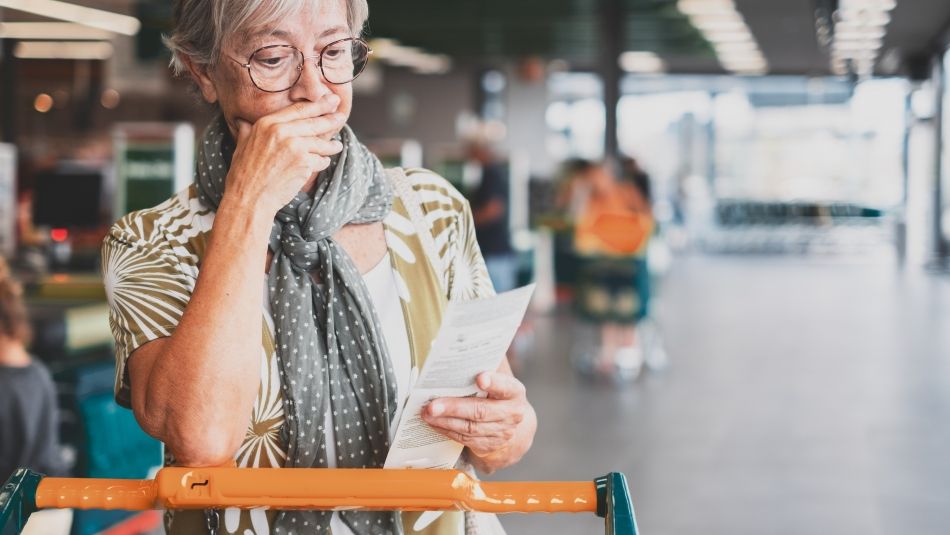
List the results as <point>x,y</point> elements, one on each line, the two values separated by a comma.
<point>151,260</point>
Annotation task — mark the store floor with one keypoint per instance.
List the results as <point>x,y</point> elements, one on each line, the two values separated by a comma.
<point>803,397</point>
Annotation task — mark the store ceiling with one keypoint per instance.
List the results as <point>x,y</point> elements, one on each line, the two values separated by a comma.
<point>567,29</point>
<point>570,29</point>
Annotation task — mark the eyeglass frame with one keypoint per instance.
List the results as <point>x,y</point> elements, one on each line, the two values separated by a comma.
<point>247,66</point>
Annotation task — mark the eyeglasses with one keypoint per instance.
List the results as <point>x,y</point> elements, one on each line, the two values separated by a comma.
<point>277,68</point>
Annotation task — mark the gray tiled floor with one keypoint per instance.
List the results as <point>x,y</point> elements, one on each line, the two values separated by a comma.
<point>805,397</point>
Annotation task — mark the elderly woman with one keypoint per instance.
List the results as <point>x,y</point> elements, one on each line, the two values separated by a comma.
<point>272,313</point>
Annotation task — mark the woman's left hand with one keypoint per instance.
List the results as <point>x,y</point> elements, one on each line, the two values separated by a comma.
<point>497,430</point>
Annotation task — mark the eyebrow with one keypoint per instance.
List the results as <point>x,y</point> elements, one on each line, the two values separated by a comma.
<point>285,35</point>
<point>268,33</point>
<point>333,30</point>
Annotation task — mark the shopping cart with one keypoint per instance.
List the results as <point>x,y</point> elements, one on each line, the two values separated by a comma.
<point>316,488</point>
<point>613,290</point>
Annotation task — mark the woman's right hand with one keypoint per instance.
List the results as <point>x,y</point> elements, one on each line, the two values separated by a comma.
<point>280,153</point>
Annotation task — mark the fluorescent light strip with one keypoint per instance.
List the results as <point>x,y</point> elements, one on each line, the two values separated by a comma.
<point>51,30</point>
<point>866,19</point>
<point>704,7</point>
<point>859,33</point>
<point>739,46</point>
<point>96,18</point>
<point>877,5</point>
<point>719,25</point>
<point>642,62</point>
<point>730,37</point>
<point>394,53</point>
<point>63,50</point>
<point>719,17</point>
<point>856,45</point>
<point>723,26</point>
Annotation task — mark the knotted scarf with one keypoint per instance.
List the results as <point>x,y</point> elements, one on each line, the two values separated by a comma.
<point>330,348</point>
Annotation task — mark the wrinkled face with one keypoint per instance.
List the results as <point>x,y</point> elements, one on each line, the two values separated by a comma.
<point>228,83</point>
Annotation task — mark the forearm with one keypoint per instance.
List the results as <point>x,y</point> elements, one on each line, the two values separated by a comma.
<point>201,391</point>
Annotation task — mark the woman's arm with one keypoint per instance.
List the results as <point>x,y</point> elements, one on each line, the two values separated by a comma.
<point>195,389</point>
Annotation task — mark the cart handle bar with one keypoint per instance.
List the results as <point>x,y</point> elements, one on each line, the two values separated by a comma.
<point>317,488</point>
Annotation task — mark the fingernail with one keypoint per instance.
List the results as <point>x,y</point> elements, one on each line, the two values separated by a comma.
<point>485,381</point>
<point>436,409</point>
<point>334,98</point>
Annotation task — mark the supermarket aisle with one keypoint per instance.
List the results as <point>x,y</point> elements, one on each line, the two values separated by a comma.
<point>805,396</point>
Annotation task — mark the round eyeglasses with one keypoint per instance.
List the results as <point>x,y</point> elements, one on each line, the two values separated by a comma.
<point>277,68</point>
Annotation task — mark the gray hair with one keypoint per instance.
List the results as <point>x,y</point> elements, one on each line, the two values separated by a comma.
<point>202,27</point>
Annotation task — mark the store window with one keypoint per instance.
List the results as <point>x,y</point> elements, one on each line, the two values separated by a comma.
<point>575,116</point>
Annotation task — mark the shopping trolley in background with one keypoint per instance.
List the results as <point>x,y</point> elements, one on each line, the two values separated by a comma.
<point>316,488</point>
<point>613,287</point>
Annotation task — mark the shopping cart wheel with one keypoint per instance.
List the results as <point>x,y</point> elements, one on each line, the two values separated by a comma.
<point>654,352</point>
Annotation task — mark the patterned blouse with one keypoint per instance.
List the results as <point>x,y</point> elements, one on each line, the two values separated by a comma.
<point>151,260</point>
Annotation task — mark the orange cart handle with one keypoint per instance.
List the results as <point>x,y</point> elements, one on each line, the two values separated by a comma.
<point>316,488</point>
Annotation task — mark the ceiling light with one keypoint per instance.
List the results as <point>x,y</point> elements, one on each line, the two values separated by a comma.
<point>855,5</point>
<point>724,28</point>
<point>864,18</point>
<point>735,46</point>
<point>696,7</point>
<point>110,99</point>
<point>699,19</point>
<point>856,45</point>
<point>395,53</point>
<point>43,103</point>
<point>51,30</point>
<point>96,18</point>
<point>641,62</point>
<point>63,50</point>
<point>720,25</point>
<point>857,35</point>
<point>729,37</point>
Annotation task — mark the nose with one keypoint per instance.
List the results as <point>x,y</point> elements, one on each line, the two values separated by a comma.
<point>311,85</point>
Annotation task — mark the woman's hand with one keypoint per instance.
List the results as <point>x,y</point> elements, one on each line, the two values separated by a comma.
<point>497,430</point>
<point>277,155</point>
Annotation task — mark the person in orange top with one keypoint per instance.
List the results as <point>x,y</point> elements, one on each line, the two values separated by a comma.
<point>613,223</point>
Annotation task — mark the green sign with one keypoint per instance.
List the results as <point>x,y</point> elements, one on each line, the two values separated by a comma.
<point>153,162</point>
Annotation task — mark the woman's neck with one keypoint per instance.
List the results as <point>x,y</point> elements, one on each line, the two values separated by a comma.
<point>13,354</point>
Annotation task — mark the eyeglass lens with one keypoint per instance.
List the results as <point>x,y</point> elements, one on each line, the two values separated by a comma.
<point>278,68</point>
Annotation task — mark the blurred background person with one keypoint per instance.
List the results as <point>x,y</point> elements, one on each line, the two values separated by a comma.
<point>29,418</point>
<point>611,230</point>
<point>630,171</point>
<point>490,209</point>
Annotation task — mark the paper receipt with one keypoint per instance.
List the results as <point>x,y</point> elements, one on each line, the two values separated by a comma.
<point>473,339</point>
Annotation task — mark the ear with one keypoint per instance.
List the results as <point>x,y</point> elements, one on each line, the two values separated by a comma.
<point>202,76</point>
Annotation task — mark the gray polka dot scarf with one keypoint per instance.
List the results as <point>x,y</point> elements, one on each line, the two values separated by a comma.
<point>330,350</point>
